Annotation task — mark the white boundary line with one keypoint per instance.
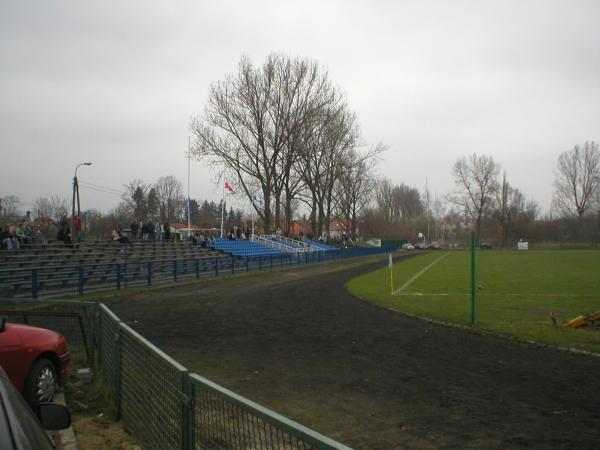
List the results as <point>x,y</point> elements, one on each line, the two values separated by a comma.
<point>405,285</point>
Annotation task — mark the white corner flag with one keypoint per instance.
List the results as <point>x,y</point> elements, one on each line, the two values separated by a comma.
<point>391,267</point>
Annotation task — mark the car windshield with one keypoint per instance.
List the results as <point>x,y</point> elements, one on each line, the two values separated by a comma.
<point>25,426</point>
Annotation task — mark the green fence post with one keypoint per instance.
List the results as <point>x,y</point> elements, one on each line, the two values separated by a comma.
<point>97,335</point>
<point>197,268</point>
<point>118,363</point>
<point>473,280</point>
<point>216,266</point>
<point>188,413</point>
<point>175,270</point>
<point>232,265</point>
<point>149,273</point>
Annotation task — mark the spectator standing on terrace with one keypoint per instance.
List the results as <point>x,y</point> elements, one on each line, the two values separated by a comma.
<point>27,219</point>
<point>238,232</point>
<point>141,227</point>
<point>18,237</point>
<point>150,228</point>
<point>133,228</point>
<point>167,232</point>
<point>64,234</point>
<point>77,228</point>
<point>158,231</point>
<point>144,231</point>
<point>6,238</point>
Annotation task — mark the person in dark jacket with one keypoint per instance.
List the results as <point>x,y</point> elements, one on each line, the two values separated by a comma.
<point>167,231</point>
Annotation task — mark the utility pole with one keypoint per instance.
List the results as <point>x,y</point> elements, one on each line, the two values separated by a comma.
<point>76,192</point>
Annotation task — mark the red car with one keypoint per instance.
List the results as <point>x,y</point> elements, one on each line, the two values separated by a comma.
<point>35,360</point>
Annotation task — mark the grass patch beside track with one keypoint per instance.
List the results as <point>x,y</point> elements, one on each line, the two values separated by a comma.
<point>517,292</point>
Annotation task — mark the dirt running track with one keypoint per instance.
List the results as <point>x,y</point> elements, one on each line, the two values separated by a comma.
<point>371,378</point>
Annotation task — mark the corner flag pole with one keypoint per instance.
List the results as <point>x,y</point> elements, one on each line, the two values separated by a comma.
<point>391,267</point>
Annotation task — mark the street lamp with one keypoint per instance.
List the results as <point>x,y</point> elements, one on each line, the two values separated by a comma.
<point>76,190</point>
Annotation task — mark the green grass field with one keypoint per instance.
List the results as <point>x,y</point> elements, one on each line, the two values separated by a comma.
<point>517,291</point>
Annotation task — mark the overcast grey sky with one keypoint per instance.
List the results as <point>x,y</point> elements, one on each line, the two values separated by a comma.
<point>116,83</point>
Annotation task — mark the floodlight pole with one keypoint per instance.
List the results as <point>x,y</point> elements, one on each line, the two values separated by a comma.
<point>473,280</point>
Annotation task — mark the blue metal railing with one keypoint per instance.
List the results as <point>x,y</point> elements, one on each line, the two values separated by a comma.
<point>81,279</point>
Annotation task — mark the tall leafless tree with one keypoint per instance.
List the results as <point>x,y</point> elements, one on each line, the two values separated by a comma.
<point>354,187</point>
<point>53,208</point>
<point>577,179</point>
<point>170,196</point>
<point>475,179</point>
<point>249,119</point>
<point>10,207</point>
<point>511,209</point>
<point>280,131</point>
<point>42,208</point>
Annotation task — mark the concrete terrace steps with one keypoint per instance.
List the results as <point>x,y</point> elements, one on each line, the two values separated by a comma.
<point>60,268</point>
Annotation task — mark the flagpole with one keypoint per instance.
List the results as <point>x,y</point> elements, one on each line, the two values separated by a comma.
<point>222,210</point>
<point>189,204</point>
<point>252,213</point>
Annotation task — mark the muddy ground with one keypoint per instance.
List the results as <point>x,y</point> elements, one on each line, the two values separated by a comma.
<point>299,343</point>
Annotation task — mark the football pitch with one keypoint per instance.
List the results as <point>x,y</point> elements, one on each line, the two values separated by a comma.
<point>517,292</point>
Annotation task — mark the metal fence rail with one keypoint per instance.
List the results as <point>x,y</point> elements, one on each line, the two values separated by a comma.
<point>159,401</point>
<point>226,420</point>
<point>85,278</point>
<point>151,393</point>
<point>166,407</point>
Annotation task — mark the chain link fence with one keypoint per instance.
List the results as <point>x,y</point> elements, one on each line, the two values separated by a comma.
<point>158,400</point>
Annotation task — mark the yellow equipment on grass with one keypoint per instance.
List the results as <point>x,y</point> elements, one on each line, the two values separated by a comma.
<point>584,320</point>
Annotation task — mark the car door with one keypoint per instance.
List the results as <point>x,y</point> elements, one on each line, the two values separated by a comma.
<point>11,355</point>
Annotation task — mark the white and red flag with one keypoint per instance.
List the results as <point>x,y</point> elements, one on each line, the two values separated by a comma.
<point>229,187</point>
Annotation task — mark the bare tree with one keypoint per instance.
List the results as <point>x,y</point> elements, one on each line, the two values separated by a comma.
<point>511,209</point>
<point>170,196</point>
<point>267,126</point>
<point>42,208</point>
<point>241,132</point>
<point>577,179</point>
<point>427,204</point>
<point>336,134</point>
<point>398,204</point>
<point>475,181</point>
<point>135,197</point>
<point>10,206</point>
<point>55,207</point>
<point>354,188</point>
